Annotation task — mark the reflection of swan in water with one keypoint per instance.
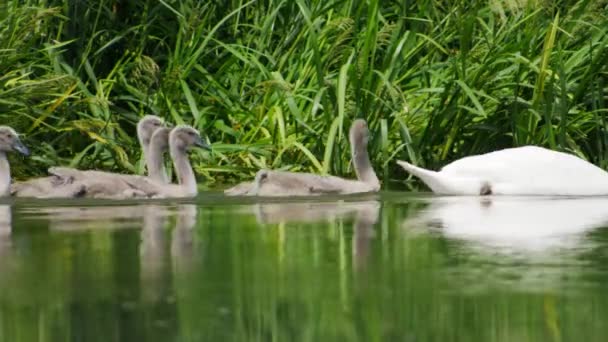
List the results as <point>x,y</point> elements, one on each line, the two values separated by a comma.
<point>156,252</point>
<point>365,217</point>
<point>153,256</point>
<point>153,239</point>
<point>152,218</point>
<point>75,218</point>
<point>5,233</point>
<point>515,223</point>
<point>269,213</point>
<point>5,222</point>
<point>184,252</point>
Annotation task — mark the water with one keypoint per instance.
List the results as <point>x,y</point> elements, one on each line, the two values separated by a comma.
<point>374,268</point>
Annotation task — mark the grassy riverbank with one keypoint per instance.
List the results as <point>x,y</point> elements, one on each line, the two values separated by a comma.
<point>277,83</point>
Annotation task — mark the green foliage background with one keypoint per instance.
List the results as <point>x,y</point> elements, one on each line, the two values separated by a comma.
<point>276,83</point>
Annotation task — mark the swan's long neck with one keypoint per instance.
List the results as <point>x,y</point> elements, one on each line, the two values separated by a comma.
<point>5,175</point>
<point>363,166</point>
<point>155,164</point>
<point>185,175</point>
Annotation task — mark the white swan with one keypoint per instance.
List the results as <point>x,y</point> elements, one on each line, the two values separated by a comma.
<point>528,170</point>
<point>283,183</point>
<point>9,142</point>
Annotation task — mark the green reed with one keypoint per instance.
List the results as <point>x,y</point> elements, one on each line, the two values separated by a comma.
<point>276,83</point>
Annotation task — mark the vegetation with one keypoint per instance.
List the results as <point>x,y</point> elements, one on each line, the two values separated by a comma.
<point>276,83</point>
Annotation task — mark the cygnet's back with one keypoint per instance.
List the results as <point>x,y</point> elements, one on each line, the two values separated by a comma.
<point>69,182</point>
<point>282,183</point>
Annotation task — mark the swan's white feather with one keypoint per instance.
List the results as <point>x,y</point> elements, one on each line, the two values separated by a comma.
<point>528,170</point>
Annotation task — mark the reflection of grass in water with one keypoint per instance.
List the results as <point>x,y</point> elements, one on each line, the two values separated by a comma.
<point>284,281</point>
<point>276,84</point>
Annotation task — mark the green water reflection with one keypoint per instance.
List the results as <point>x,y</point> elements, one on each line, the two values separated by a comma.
<point>380,268</point>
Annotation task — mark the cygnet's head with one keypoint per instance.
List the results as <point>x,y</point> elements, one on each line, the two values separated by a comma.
<point>359,133</point>
<point>183,137</point>
<point>9,141</point>
<point>160,138</point>
<point>146,127</point>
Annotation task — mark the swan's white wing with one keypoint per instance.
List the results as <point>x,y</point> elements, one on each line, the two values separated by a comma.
<point>533,170</point>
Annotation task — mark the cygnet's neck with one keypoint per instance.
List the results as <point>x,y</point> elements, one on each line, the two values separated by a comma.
<point>363,166</point>
<point>183,169</point>
<point>155,162</point>
<point>5,175</point>
<point>145,146</point>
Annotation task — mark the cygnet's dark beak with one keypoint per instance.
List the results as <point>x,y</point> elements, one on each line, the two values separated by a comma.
<point>19,147</point>
<point>202,144</point>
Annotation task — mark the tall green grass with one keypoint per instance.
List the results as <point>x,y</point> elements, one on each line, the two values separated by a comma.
<point>276,83</point>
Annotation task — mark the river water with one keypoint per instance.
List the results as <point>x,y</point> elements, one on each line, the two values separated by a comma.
<point>388,267</point>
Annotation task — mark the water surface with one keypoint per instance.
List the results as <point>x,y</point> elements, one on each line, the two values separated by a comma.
<point>373,268</point>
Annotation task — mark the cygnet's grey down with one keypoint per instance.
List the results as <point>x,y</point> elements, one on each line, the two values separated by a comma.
<point>9,142</point>
<point>283,183</point>
<point>181,140</point>
<point>101,184</point>
<point>55,186</point>
<point>153,149</point>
